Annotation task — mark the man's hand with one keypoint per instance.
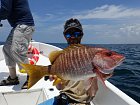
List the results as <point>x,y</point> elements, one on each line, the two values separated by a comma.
<point>57,81</point>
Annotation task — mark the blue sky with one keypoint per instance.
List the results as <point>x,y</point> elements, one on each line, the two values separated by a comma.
<point>104,21</point>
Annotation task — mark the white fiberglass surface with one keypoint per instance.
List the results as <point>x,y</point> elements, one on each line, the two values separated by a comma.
<point>50,91</point>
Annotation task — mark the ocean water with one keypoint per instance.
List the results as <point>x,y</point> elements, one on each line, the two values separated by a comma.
<point>126,76</point>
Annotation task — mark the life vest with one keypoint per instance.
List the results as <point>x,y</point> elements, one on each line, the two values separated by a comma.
<point>33,60</point>
<point>33,56</point>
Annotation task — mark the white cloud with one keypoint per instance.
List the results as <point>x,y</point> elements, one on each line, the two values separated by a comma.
<point>131,30</point>
<point>104,33</point>
<point>110,12</point>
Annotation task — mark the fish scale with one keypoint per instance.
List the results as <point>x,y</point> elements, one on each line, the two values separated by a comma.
<point>74,63</point>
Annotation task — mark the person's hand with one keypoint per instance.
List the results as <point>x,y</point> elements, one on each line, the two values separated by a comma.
<point>52,77</point>
<point>57,81</point>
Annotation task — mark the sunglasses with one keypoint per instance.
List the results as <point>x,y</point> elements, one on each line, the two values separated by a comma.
<point>74,34</point>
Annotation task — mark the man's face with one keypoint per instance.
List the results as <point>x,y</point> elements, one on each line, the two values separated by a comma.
<point>73,36</point>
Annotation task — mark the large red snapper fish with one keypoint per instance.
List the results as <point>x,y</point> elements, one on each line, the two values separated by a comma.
<point>76,62</point>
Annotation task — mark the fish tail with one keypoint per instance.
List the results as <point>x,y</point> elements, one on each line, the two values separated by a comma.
<point>35,72</point>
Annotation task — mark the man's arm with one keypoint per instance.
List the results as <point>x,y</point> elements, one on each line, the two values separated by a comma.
<point>5,8</point>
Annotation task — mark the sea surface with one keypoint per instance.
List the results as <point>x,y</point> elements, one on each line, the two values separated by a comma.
<point>126,76</point>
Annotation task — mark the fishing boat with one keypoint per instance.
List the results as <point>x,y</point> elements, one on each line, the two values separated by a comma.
<point>44,90</point>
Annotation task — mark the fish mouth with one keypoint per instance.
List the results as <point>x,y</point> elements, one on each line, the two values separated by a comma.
<point>120,62</point>
<point>110,70</point>
<point>107,71</point>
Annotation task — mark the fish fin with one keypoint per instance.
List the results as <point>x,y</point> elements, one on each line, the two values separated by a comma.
<point>57,81</point>
<point>73,46</point>
<point>99,75</point>
<point>35,73</point>
<point>92,86</point>
<point>76,45</point>
<point>90,81</point>
<point>53,55</point>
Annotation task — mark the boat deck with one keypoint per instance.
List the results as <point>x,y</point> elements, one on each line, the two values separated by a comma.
<point>47,85</point>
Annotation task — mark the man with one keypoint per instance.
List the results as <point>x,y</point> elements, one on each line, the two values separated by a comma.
<point>19,16</point>
<point>74,92</point>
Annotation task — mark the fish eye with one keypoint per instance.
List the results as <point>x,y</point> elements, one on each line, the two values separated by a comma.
<point>108,53</point>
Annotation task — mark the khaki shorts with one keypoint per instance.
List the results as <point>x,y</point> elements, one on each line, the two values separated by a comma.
<point>16,45</point>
